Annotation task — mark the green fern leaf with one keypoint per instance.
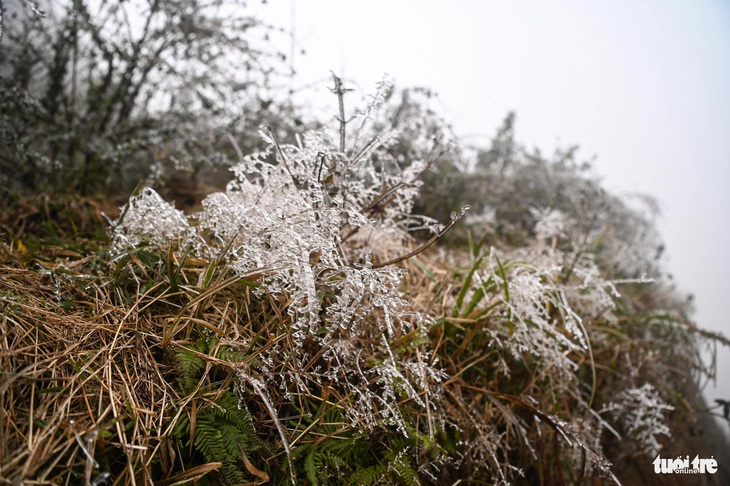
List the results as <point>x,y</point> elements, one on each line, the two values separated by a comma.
<point>222,430</point>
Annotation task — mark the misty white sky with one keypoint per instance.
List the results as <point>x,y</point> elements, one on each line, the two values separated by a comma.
<point>642,86</point>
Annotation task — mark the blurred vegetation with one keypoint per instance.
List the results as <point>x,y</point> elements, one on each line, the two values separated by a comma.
<point>101,95</point>
<point>125,368</point>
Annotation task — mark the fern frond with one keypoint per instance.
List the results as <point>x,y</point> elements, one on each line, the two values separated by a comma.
<point>369,475</point>
<point>222,430</point>
<point>190,368</point>
<point>324,468</point>
<point>407,475</point>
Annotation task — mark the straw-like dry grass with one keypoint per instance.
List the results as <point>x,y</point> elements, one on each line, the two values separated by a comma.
<point>80,374</point>
<point>102,365</point>
<point>85,378</point>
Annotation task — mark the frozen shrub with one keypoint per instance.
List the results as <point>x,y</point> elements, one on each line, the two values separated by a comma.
<point>317,227</point>
<point>128,90</point>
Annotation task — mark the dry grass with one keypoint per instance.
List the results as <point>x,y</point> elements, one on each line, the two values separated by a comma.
<point>85,376</point>
<point>80,373</point>
<point>92,385</point>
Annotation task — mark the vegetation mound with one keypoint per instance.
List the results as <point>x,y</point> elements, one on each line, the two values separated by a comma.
<point>362,305</point>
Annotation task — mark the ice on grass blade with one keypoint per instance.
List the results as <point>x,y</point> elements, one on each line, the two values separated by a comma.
<point>260,390</point>
<point>528,295</point>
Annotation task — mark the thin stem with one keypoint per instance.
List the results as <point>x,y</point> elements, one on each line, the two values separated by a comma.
<point>340,91</point>
<point>281,155</point>
<point>421,248</point>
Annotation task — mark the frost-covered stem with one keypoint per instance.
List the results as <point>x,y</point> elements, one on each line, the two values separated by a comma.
<point>340,92</point>
<point>421,248</point>
<point>235,146</point>
<point>261,393</point>
<point>281,155</point>
<point>568,271</point>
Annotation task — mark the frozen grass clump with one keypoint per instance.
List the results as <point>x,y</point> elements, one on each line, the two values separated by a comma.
<point>150,219</point>
<point>296,223</point>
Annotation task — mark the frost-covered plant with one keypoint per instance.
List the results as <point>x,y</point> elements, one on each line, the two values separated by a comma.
<point>533,318</point>
<point>150,219</point>
<point>640,411</point>
<point>522,320</point>
<point>319,229</point>
<point>540,321</point>
<point>571,305</point>
<point>288,221</point>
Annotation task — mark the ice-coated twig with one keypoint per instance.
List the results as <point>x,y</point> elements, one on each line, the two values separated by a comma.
<point>431,241</point>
